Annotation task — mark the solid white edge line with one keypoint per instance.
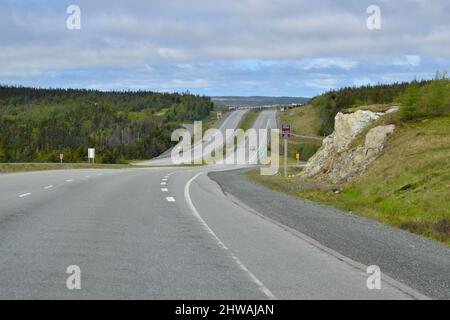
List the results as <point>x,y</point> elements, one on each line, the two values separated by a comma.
<point>194,211</point>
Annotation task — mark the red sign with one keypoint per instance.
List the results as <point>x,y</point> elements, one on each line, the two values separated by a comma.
<point>286,131</point>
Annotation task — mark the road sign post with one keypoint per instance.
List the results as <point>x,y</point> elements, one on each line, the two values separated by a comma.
<point>285,134</point>
<point>91,155</point>
<point>61,157</point>
<point>297,156</point>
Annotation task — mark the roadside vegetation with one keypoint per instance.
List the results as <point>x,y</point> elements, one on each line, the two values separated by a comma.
<point>249,119</point>
<point>22,167</point>
<point>408,186</point>
<point>332,102</point>
<point>210,121</point>
<point>304,121</point>
<point>36,125</point>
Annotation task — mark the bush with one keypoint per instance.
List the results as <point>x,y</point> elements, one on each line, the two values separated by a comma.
<point>425,102</point>
<point>307,150</point>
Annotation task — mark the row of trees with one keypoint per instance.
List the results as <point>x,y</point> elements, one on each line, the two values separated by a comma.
<point>431,100</point>
<point>38,124</point>
<point>418,99</point>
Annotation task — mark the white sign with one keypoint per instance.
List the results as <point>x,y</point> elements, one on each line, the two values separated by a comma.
<point>91,153</point>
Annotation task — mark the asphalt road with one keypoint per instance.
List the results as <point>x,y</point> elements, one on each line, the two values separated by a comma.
<point>417,262</point>
<point>133,239</point>
<point>159,233</point>
<point>232,121</point>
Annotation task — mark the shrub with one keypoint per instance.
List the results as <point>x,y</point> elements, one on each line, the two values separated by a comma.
<point>428,101</point>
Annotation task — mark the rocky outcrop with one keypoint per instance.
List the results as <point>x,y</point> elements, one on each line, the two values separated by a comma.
<point>337,160</point>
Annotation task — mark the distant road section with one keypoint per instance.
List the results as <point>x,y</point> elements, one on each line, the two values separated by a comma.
<point>232,121</point>
<point>257,101</point>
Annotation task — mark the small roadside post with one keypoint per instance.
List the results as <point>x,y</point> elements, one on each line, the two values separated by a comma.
<point>297,156</point>
<point>285,134</point>
<point>61,157</point>
<point>91,155</point>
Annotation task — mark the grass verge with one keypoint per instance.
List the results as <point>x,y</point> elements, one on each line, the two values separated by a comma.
<point>19,167</point>
<point>407,187</point>
<point>304,121</point>
<point>249,119</point>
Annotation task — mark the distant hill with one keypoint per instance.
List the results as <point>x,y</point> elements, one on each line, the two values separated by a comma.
<point>257,101</point>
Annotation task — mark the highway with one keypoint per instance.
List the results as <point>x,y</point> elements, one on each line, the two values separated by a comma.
<point>231,122</point>
<point>159,233</point>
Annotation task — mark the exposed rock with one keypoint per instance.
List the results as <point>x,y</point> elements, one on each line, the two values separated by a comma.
<point>392,109</point>
<point>336,160</point>
<point>348,126</point>
<point>375,139</point>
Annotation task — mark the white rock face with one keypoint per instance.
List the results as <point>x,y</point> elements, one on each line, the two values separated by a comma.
<point>376,138</point>
<point>348,126</point>
<point>336,160</point>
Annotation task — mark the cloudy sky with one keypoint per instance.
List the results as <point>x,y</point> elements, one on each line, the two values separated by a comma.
<point>222,47</point>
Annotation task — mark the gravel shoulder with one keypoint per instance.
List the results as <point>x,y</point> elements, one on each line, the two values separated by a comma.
<point>415,261</point>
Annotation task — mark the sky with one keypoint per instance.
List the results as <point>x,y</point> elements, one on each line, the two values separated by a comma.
<point>222,47</point>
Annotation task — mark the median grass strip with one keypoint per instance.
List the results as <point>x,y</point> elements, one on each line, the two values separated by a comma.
<point>249,119</point>
<point>407,187</point>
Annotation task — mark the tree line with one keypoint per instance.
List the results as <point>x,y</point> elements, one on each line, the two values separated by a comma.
<point>418,99</point>
<point>36,125</point>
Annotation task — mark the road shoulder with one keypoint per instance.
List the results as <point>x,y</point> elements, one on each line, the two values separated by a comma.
<point>417,262</point>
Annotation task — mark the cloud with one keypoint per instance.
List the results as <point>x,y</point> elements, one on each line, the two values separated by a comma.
<point>326,63</point>
<point>408,60</point>
<point>278,44</point>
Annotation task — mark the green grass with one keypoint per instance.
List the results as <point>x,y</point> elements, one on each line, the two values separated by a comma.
<point>249,120</point>
<point>19,167</point>
<point>11,167</point>
<point>211,121</point>
<point>304,121</point>
<point>407,187</point>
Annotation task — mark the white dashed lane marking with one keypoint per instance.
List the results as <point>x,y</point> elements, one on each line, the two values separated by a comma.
<point>24,195</point>
<point>164,189</point>
<point>163,183</point>
<point>69,180</point>
<point>170,199</point>
<point>48,187</point>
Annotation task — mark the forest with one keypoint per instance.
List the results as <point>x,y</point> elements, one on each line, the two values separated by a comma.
<point>418,99</point>
<point>36,125</point>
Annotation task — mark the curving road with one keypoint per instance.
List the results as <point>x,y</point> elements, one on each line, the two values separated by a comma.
<point>154,234</point>
<point>158,233</point>
<point>232,121</point>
